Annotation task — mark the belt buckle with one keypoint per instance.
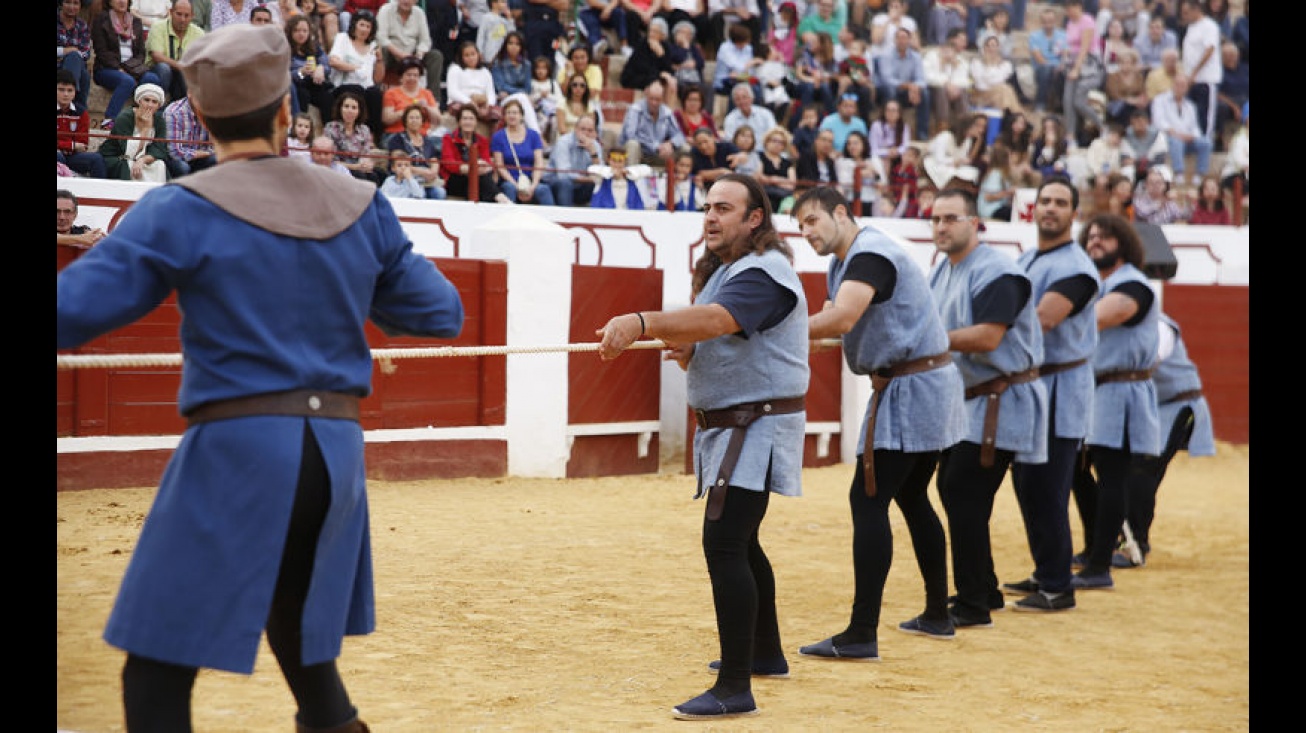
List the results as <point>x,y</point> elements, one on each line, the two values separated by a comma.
<point>700,416</point>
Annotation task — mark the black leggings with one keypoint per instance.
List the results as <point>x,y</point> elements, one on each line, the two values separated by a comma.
<point>903,478</point>
<point>743,589</point>
<point>967,490</point>
<point>156,695</point>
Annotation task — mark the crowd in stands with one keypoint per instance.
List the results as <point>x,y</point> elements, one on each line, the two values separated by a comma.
<point>886,99</point>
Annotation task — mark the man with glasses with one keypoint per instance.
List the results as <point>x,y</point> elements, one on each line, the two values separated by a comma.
<point>985,300</point>
<point>77,235</point>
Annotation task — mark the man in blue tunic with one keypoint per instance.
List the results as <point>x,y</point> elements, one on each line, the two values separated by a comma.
<point>1065,286</point>
<point>986,302</point>
<point>261,518</point>
<point>880,304</point>
<point>1125,425</point>
<point>743,345</point>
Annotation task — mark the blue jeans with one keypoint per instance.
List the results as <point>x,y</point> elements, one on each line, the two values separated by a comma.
<point>88,164</point>
<point>569,192</point>
<point>76,64</point>
<point>543,194</point>
<point>589,17</point>
<point>435,193</point>
<point>1199,146</point>
<point>1045,76</point>
<point>121,85</point>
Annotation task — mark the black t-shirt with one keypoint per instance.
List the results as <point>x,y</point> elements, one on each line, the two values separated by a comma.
<point>874,270</point>
<point>756,301</point>
<point>1141,294</point>
<point>1001,300</point>
<point>724,150</point>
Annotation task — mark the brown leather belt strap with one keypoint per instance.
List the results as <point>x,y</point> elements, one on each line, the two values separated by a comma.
<point>880,379</point>
<point>1066,366</point>
<point>993,389</point>
<point>302,402</point>
<point>1192,394</point>
<point>737,418</point>
<point>1124,375</point>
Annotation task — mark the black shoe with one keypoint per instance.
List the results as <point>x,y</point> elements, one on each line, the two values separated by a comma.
<point>968,620</point>
<point>864,652</point>
<point>1084,580</point>
<point>1021,588</point>
<point>1041,602</point>
<point>777,667</point>
<point>996,603</point>
<point>1079,560</point>
<point>709,706</point>
<point>933,629</point>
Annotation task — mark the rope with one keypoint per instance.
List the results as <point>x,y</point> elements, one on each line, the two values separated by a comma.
<point>110,361</point>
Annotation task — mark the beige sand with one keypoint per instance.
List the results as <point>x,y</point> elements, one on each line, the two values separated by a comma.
<point>583,605</point>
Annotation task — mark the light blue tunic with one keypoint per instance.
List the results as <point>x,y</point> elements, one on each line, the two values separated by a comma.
<point>1127,410</point>
<point>1075,338</point>
<point>261,312</point>
<point>919,412</point>
<point>1175,375</point>
<point>734,369</point>
<point>1022,408</point>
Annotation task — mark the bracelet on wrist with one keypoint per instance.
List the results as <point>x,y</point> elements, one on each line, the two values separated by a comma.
<point>643,327</point>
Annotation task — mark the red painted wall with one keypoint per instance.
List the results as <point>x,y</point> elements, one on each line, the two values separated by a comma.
<point>1216,326</point>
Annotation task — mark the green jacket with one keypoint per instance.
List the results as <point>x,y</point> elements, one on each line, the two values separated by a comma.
<point>113,148</point>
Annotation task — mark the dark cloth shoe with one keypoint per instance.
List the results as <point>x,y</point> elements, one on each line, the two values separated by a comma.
<point>962,619</point>
<point>922,626</point>
<point>1122,560</point>
<point>864,652</point>
<point>709,706</point>
<point>1021,587</point>
<point>777,667</point>
<point>1092,581</point>
<point>1041,602</point>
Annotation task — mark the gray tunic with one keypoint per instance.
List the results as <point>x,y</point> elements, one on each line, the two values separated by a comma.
<point>734,369</point>
<point>1071,391</point>
<point>1022,408</point>
<point>918,412</point>
<point>1126,411</point>
<point>1175,375</point>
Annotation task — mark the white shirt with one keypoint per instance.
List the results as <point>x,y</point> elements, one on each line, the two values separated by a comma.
<point>937,75</point>
<point>343,49</point>
<point>461,84</point>
<point>1168,116</point>
<point>882,20</point>
<point>1200,36</point>
<point>989,76</point>
<point>761,120</point>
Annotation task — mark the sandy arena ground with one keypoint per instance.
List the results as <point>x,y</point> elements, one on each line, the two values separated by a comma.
<point>584,605</point>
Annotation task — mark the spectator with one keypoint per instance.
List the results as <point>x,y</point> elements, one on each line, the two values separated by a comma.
<point>1108,154</point>
<point>511,75</point>
<point>1151,44</point>
<point>546,96</point>
<point>261,15</point>
<point>844,121</point>
<point>1146,143</point>
<point>1155,202</point>
<point>355,62</point>
<point>136,152</point>
<point>1121,201</point>
<point>773,80</point>
<point>1161,78</point>
<point>72,129</point>
<point>402,33</point>
<point>906,180</point>
<point>745,141</point>
<point>1047,51</point>
<point>902,77</point>
<point>166,45</point>
<point>442,25</point>
<point>1234,91</point>
<point>578,100</point>
<point>118,40</point>
<point>323,153</point>
<point>402,183</point>
<point>492,31</point>
<point>299,140</point>
<point>579,62</point>
<point>67,231</point>
<point>686,193</point>
<point>997,24</point>
<point>1218,10</point>
<point>570,161</point>
<point>1237,164</point>
<point>856,160</point>
<point>325,18</point>
<point>151,12</point>
<point>783,33</point>
<point>885,25</point>
<point>816,168</point>
<point>1175,115</point>
<point>746,113</point>
<point>693,12</point>
<point>620,187</point>
<point>1114,43</point>
<point>518,154</point>
<point>595,15</point>
<point>308,68</point>
<point>1199,58</point>
<point>649,132</point>
<point>998,187</point>
<point>1017,134</point>
<point>889,139</point>
<point>947,75</point>
<point>724,15</point>
<point>423,151</point>
<point>809,126</point>
<point>1130,13</point>
<point>691,114</point>
<point>823,16</point>
<point>1241,33</point>
<point>351,7</point>
<point>712,158</point>
<point>73,48</point>
<point>459,149</point>
<point>408,92</point>
<point>778,174</point>
<point>189,149</point>
<point>1209,206</point>
<point>816,75</point>
<point>1126,89</point>
<point>687,61</point>
<point>542,23</point>
<point>959,152</point>
<point>651,60</point>
<point>1051,147</point>
<point>352,136</point>
<point>945,17</point>
<point>857,76</point>
<point>735,61</point>
<point>992,75</point>
<point>226,12</point>
<point>1084,71</point>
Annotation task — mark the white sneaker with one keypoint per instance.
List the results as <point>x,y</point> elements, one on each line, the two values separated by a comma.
<point>626,51</point>
<point>600,48</point>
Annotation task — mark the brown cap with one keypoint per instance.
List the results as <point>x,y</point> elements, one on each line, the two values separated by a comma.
<point>237,69</point>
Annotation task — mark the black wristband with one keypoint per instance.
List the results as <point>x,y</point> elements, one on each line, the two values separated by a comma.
<point>642,325</point>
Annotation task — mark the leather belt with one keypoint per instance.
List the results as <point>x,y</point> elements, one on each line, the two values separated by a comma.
<point>737,418</point>
<point>1064,366</point>
<point>1192,394</point>
<point>302,402</point>
<point>1124,375</point>
<point>993,389</point>
<point>880,379</point>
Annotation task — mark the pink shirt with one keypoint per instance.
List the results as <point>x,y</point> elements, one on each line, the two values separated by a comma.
<point>1074,35</point>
